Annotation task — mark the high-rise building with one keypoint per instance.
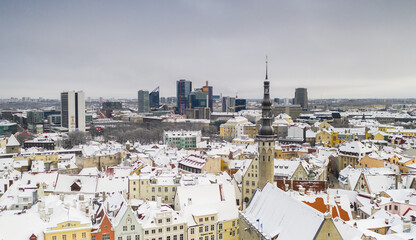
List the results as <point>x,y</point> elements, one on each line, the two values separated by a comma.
<point>198,99</point>
<point>209,90</point>
<point>143,101</point>
<point>240,104</point>
<point>183,89</point>
<point>154,99</point>
<point>73,110</point>
<point>228,104</point>
<point>301,97</point>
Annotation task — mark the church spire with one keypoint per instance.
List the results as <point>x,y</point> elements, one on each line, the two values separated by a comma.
<point>266,129</point>
<point>267,77</point>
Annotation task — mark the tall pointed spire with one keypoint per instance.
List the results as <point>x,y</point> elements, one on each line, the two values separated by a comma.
<point>267,75</point>
<point>267,115</point>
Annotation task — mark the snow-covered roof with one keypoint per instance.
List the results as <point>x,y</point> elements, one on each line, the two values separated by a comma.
<point>12,142</point>
<point>281,215</point>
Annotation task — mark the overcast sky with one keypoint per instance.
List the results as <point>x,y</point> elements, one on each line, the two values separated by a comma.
<point>336,49</point>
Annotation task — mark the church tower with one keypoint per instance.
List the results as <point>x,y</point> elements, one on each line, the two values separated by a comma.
<point>266,138</point>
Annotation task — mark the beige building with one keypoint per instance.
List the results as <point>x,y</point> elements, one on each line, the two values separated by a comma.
<point>150,187</point>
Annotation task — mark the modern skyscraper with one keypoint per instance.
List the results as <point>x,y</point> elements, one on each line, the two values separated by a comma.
<point>240,104</point>
<point>154,99</point>
<point>143,101</point>
<point>228,104</point>
<point>301,97</point>
<point>183,89</point>
<point>209,90</point>
<point>266,139</point>
<point>73,110</point>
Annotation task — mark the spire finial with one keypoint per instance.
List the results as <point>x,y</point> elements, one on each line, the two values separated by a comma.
<point>267,77</point>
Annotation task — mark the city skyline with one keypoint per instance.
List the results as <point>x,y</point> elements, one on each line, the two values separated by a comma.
<point>334,49</point>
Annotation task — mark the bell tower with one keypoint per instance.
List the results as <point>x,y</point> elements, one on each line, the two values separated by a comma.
<point>266,138</point>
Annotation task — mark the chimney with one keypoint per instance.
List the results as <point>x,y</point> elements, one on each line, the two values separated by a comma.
<point>406,201</point>
<point>42,215</point>
<point>386,221</point>
<point>207,83</point>
<point>374,210</point>
<point>398,180</point>
<point>189,201</point>
<point>406,225</point>
<point>159,201</point>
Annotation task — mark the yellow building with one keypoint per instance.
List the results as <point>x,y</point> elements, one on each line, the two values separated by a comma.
<point>228,130</point>
<point>209,227</point>
<point>243,141</point>
<point>69,230</point>
<point>324,137</point>
<point>370,162</point>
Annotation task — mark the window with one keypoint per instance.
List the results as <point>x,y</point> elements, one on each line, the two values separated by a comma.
<point>220,236</point>
<point>389,207</point>
<point>92,238</point>
<point>175,237</point>
<point>168,238</point>
<point>153,189</point>
<point>159,221</point>
<point>84,235</point>
<point>247,183</point>
<point>160,230</point>
<point>53,237</point>
<point>120,238</point>
<point>206,219</point>
<point>212,237</point>
<point>166,189</point>
<point>153,198</point>
<point>63,237</point>
<point>220,226</point>
<point>124,228</point>
<point>233,223</point>
<point>167,219</point>
<point>253,183</point>
<point>146,232</point>
<point>212,227</point>
<point>181,237</point>
<point>206,229</point>
<point>201,229</point>
<point>153,231</point>
<point>175,228</point>
<point>201,219</point>
<point>206,237</point>
<point>106,237</point>
<point>128,237</point>
<point>168,229</point>
<point>395,207</point>
<point>192,231</point>
<point>181,227</point>
<point>159,189</point>
<point>212,218</point>
<point>133,227</point>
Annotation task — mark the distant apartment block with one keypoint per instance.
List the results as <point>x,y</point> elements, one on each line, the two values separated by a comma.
<point>301,97</point>
<point>182,139</point>
<point>73,110</point>
<point>143,101</point>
